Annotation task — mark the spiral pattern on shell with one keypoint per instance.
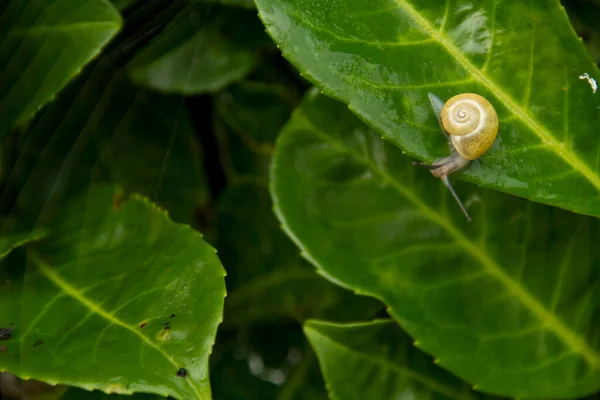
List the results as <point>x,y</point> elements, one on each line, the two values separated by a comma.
<point>472,124</point>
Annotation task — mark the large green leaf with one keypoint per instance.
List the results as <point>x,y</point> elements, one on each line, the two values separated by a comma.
<point>508,303</point>
<point>382,58</point>
<point>118,298</point>
<point>376,360</point>
<point>43,44</point>
<point>202,50</point>
<point>121,134</point>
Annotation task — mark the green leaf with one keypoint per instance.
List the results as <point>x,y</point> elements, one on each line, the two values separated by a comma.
<point>203,49</point>
<point>45,44</point>
<point>507,302</point>
<point>382,58</point>
<point>118,298</point>
<point>382,361</point>
<point>121,134</point>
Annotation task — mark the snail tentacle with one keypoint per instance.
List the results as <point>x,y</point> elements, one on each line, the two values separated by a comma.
<point>471,124</point>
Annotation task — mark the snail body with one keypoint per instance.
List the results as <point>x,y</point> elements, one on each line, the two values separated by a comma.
<point>471,125</point>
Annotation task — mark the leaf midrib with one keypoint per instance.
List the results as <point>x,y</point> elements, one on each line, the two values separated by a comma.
<point>549,320</point>
<point>401,370</point>
<point>562,151</point>
<point>46,270</point>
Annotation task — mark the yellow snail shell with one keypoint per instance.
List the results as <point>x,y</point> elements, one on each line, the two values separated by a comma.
<point>472,124</point>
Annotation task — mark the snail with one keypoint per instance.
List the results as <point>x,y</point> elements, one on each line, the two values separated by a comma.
<point>470,123</point>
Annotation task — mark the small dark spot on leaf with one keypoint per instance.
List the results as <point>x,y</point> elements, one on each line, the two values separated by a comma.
<point>182,372</point>
<point>2,349</point>
<point>39,342</point>
<point>6,333</point>
<point>172,316</point>
<point>143,324</point>
<point>166,323</point>
<point>167,327</point>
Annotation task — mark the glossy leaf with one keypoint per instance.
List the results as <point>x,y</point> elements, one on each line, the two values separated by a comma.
<point>507,302</point>
<point>202,50</point>
<point>382,58</point>
<point>45,44</point>
<point>382,361</point>
<point>118,298</point>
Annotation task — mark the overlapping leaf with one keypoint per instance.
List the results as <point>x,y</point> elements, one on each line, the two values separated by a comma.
<point>118,298</point>
<point>122,134</point>
<point>508,302</point>
<point>202,50</point>
<point>43,44</point>
<point>376,360</point>
<point>382,57</point>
